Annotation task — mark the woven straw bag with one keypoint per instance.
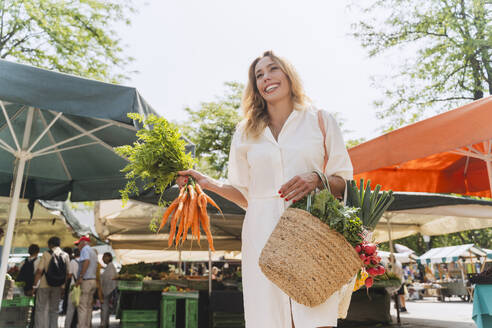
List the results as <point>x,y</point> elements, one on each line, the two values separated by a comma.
<point>306,259</point>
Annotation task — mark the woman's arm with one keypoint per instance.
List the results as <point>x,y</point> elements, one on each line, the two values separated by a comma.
<point>225,190</point>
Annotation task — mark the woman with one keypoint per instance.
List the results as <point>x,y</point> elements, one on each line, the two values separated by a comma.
<point>274,152</point>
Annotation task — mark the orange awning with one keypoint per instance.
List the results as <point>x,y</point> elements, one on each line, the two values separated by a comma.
<point>447,153</point>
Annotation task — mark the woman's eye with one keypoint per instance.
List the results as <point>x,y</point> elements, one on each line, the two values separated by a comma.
<point>259,76</point>
<point>273,68</point>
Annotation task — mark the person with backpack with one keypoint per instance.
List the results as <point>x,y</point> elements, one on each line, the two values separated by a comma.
<point>52,274</point>
<point>86,280</point>
<point>27,270</point>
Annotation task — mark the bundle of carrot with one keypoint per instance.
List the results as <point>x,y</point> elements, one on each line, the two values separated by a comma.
<point>187,212</point>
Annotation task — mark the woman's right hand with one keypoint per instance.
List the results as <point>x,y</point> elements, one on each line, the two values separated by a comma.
<point>203,180</point>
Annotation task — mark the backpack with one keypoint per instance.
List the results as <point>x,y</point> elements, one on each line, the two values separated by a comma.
<point>26,274</point>
<point>57,270</point>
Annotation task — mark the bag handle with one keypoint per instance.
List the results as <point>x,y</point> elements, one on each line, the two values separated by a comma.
<point>322,127</point>
<point>310,196</point>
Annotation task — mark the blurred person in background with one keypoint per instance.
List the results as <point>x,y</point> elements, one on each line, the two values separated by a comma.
<point>71,316</point>
<point>108,285</point>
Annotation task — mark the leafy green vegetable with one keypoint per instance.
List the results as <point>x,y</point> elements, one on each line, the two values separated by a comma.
<point>331,211</point>
<point>155,158</point>
<point>372,205</point>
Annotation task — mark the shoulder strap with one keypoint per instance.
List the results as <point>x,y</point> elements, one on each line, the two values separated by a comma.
<point>321,124</point>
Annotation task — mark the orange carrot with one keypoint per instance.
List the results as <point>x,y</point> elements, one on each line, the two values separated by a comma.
<point>199,189</point>
<point>176,217</point>
<point>183,219</point>
<point>189,213</point>
<point>211,201</point>
<point>201,205</point>
<point>166,214</point>
<point>205,221</point>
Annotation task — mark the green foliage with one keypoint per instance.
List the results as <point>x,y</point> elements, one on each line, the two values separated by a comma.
<point>354,142</point>
<point>155,158</point>
<point>211,128</point>
<point>443,50</point>
<point>371,204</point>
<point>332,212</point>
<point>75,37</point>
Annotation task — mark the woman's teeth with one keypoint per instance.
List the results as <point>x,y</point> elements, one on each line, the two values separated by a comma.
<point>271,88</point>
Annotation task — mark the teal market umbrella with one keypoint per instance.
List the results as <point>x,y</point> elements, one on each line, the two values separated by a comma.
<point>57,134</point>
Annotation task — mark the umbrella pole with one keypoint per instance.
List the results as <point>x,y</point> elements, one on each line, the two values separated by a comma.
<point>209,272</point>
<point>392,250</point>
<point>11,224</point>
<point>489,171</point>
<point>23,154</point>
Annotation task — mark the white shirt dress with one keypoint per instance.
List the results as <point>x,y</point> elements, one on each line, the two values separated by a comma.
<point>258,168</point>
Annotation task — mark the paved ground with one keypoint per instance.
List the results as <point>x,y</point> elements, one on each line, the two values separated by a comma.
<point>427,313</point>
<point>430,313</point>
<point>96,320</point>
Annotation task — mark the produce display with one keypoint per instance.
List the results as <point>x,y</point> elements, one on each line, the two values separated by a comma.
<point>130,277</point>
<point>354,221</point>
<point>154,160</point>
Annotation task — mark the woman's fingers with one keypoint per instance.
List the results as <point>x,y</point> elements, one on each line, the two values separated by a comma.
<point>298,191</point>
<point>199,177</point>
<point>287,187</point>
<point>181,181</point>
<point>299,186</point>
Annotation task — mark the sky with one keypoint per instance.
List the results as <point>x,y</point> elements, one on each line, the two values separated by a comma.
<point>186,50</point>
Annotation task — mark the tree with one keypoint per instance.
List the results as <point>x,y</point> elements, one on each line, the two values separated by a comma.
<point>445,49</point>
<point>211,128</point>
<point>73,37</point>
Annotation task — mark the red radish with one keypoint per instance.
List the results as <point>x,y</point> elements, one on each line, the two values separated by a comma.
<point>358,248</point>
<point>367,261</point>
<point>369,282</point>
<point>372,271</point>
<point>381,270</point>
<point>374,262</point>
<point>370,249</point>
<point>362,257</point>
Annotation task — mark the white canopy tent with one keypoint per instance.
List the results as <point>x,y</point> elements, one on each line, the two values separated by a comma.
<point>131,256</point>
<point>441,214</point>
<point>400,257</point>
<point>451,254</point>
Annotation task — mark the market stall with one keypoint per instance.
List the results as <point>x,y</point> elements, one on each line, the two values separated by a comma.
<point>432,214</point>
<point>190,272</point>
<point>57,134</point>
<point>450,267</point>
<point>429,156</point>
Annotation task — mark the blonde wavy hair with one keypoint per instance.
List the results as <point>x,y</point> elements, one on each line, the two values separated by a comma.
<point>255,107</point>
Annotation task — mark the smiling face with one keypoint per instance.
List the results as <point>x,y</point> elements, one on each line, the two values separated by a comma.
<point>272,83</point>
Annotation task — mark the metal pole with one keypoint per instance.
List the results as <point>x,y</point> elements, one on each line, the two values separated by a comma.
<point>179,263</point>
<point>489,171</point>
<point>209,272</point>
<point>392,250</point>
<point>11,224</point>
<point>22,156</point>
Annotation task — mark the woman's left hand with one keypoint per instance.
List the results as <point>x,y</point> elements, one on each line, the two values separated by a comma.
<point>299,186</point>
